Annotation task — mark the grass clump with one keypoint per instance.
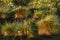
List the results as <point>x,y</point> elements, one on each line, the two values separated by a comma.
<point>48,26</point>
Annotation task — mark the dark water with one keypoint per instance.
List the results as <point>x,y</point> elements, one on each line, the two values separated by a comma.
<point>55,37</point>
